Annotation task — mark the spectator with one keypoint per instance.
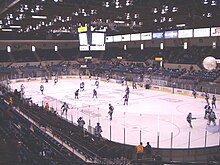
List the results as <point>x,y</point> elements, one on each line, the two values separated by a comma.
<point>148,150</point>
<point>140,150</point>
<point>98,130</point>
<point>47,107</point>
<point>80,122</point>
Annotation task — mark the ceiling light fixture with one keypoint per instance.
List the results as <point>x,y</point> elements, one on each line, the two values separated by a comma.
<point>205,2</point>
<point>213,3</point>
<point>7,30</point>
<point>15,26</point>
<point>39,16</point>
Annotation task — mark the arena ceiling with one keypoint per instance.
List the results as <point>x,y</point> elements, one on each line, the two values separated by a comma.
<point>59,19</point>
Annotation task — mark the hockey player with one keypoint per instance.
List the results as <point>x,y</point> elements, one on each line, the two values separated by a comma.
<point>94,94</point>
<point>64,108</point>
<point>194,93</point>
<point>46,79</point>
<point>22,89</point>
<point>127,91</point>
<point>110,112</point>
<point>122,81</point>
<point>189,119</point>
<point>28,79</point>
<point>207,110</point>
<point>42,89</point>
<point>55,80</point>
<point>82,85</point>
<point>77,94</point>
<point>125,99</point>
<point>134,85</point>
<point>206,97</point>
<point>107,78</point>
<point>98,130</point>
<point>213,102</point>
<point>97,83</point>
<point>212,118</point>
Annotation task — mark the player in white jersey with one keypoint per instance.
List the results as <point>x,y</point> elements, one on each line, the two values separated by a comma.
<point>22,89</point>
<point>42,89</point>
<point>82,86</point>
<point>212,118</point>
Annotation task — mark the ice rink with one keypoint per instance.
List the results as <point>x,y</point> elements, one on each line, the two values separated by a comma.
<point>150,115</point>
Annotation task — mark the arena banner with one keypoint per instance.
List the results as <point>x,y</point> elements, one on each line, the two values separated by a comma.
<point>187,33</point>
<point>170,34</point>
<point>126,37</point>
<point>215,31</point>
<point>136,37</point>
<point>109,39</point>
<point>158,35</point>
<point>202,32</point>
<point>117,38</point>
<point>146,36</point>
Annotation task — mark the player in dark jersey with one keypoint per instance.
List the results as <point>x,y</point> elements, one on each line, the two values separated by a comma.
<point>194,93</point>
<point>55,80</point>
<point>65,108</point>
<point>206,97</point>
<point>94,94</point>
<point>97,83</point>
<point>189,119</point>
<point>110,112</point>
<point>125,99</point>
<point>77,94</point>
<point>213,102</point>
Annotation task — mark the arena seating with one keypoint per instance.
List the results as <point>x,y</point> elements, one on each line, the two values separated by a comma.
<point>47,54</point>
<point>72,134</point>
<point>69,54</point>
<point>202,75</point>
<point>24,56</point>
<point>4,56</point>
<point>32,145</point>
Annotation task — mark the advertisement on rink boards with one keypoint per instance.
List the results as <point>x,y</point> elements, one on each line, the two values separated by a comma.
<point>215,31</point>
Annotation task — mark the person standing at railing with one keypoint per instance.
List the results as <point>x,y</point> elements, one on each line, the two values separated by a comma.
<point>140,151</point>
<point>98,130</point>
<point>81,124</point>
<point>47,107</point>
<point>148,150</point>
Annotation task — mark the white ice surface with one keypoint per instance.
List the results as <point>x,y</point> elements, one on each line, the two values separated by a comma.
<point>149,115</point>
